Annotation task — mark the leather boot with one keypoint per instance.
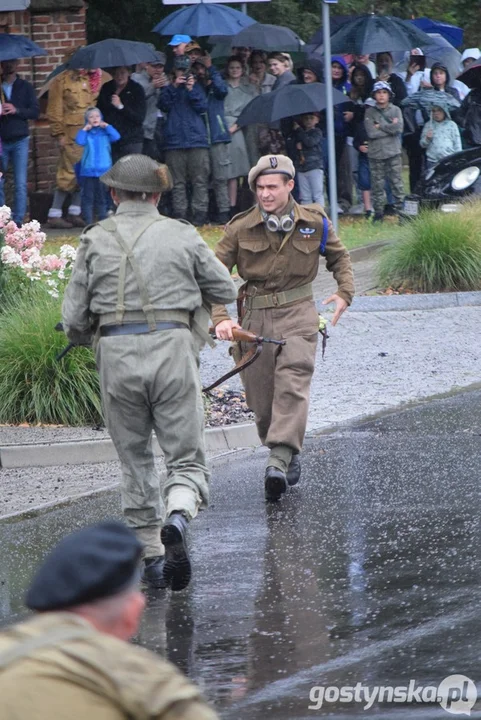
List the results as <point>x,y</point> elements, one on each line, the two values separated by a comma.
<point>294,471</point>
<point>177,568</point>
<point>275,483</point>
<point>76,220</point>
<point>58,223</point>
<point>152,572</point>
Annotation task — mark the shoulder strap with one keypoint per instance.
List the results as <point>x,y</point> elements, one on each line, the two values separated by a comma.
<point>27,647</point>
<point>149,310</point>
<point>325,234</point>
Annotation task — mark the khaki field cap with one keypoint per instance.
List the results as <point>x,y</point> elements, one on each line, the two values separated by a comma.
<point>138,173</point>
<point>271,165</point>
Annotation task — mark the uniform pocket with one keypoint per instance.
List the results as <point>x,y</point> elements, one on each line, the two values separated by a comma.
<point>254,245</point>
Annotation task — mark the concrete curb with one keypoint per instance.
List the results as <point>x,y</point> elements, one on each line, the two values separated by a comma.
<point>434,301</point>
<point>81,452</point>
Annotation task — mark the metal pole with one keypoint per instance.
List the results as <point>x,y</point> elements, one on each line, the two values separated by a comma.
<point>331,142</point>
<point>244,8</point>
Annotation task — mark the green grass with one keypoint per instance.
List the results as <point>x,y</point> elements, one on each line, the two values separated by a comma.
<point>437,252</point>
<point>354,232</point>
<point>34,387</point>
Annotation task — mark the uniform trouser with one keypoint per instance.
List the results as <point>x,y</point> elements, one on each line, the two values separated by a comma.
<point>382,170</point>
<point>277,384</point>
<point>151,383</point>
<point>220,165</point>
<point>189,165</point>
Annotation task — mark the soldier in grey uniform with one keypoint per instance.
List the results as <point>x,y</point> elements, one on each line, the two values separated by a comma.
<point>138,284</point>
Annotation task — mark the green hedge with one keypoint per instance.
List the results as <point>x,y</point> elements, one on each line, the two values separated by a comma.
<point>34,387</point>
<point>437,252</point>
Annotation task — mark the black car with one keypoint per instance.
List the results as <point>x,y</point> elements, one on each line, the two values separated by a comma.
<point>453,179</point>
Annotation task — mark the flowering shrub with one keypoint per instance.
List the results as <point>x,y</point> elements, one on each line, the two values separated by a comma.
<point>21,255</point>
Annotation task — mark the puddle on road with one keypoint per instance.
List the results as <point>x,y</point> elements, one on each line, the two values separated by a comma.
<point>368,572</point>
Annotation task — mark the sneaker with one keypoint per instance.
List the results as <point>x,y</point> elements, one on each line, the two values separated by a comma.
<point>368,214</point>
<point>58,223</point>
<point>340,211</point>
<point>378,218</point>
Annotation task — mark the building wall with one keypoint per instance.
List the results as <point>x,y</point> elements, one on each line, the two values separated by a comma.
<point>59,27</point>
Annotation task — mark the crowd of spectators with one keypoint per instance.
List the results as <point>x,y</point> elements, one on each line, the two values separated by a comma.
<point>184,111</point>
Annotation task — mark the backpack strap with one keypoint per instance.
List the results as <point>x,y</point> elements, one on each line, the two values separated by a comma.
<point>325,235</point>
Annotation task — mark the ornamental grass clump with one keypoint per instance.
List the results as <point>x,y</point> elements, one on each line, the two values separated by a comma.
<point>437,252</point>
<point>34,388</point>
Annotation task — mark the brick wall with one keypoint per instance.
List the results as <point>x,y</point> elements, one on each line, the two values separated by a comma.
<point>59,30</point>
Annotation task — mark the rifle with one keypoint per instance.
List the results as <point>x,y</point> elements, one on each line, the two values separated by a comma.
<point>67,348</point>
<point>245,336</point>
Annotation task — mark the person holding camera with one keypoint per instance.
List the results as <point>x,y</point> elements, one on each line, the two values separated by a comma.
<point>219,137</point>
<point>122,104</point>
<point>185,141</point>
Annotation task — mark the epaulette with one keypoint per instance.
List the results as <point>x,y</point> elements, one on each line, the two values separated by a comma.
<point>240,215</point>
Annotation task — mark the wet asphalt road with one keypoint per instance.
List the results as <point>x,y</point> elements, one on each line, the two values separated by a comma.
<point>368,571</point>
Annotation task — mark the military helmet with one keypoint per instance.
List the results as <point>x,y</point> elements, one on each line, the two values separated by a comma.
<point>138,173</point>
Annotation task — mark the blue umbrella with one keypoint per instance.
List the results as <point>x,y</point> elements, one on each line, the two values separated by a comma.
<point>453,34</point>
<point>18,46</point>
<point>204,19</point>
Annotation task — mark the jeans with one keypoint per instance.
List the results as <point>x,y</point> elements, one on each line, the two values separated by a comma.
<point>17,152</point>
<point>363,172</point>
<point>94,197</point>
<point>311,186</point>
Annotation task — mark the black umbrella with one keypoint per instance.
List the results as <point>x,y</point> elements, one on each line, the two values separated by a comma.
<point>288,101</point>
<point>472,76</point>
<point>377,33</point>
<point>260,37</point>
<point>13,47</point>
<point>112,53</point>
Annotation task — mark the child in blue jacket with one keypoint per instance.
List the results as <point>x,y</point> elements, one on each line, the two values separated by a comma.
<point>96,138</point>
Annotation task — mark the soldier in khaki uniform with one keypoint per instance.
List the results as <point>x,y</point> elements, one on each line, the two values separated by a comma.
<point>69,97</point>
<point>276,246</point>
<point>71,660</point>
<point>138,283</point>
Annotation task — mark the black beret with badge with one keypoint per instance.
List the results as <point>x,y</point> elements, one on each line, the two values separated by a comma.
<point>96,562</point>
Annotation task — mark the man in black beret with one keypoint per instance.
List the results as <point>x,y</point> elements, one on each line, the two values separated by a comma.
<point>71,660</point>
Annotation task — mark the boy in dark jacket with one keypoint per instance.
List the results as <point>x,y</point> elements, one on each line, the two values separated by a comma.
<point>215,88</point>
<point>95,137</point>
<point>19,105</point>
<point>308,159</point>
<point>185,141</point>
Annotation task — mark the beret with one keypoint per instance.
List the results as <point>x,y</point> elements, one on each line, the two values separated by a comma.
<point>93,563</point>
<point>138,173</point>
<point>271,165</point>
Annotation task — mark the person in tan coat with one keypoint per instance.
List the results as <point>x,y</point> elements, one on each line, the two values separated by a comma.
<point>276,246</point>
<point>70,94</point>
<point>71,660</point>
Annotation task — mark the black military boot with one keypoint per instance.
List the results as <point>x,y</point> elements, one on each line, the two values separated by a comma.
<point>275,483</point>
<point>152,572</point>
<point>294,470</point>
<point>177,568</point>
